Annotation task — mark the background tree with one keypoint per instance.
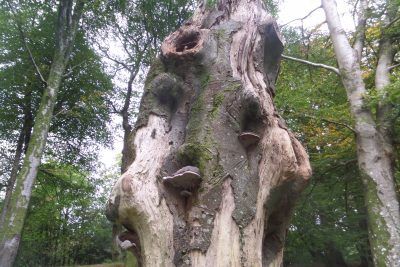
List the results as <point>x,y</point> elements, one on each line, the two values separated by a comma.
<point>65,224</point>
<point>374,127</point>
<point>81,116</point>
<point>329,223</point>
<point>374,135</point>
<point>69,14</point>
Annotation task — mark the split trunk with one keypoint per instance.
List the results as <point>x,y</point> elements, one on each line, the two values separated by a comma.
<point>207,116</point>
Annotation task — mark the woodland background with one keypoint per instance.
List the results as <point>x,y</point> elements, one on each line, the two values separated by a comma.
<point>98,100</point>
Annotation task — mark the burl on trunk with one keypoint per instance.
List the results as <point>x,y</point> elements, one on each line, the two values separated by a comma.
<point>214,171</point>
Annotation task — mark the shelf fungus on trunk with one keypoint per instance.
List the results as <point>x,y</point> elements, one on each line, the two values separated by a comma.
<point>129,241</point>
<point>186,179</point>
<point>207,98</point>
<point>248,139</point>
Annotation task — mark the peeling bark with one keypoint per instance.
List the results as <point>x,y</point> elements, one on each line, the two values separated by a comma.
<point>213,82</point>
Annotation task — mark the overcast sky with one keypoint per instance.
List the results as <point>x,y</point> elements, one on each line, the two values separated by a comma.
<point>293,9</point>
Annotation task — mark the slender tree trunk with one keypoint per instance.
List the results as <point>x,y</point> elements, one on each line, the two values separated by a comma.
<point>22,142</point>
<point>208,112</point>
<point>385,116</point>
<point>126,156</point>
<point>374,161</point>
<point>13,176</point>
<point>10,233</point>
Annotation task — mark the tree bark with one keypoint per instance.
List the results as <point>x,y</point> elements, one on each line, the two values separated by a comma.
<point>375,163</point>
<point>22,142</point>
<point>208,108</point>
<point>68,19</point>
<point>126,124</point>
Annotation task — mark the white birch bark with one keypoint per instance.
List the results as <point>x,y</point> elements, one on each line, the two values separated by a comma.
<point>374,162</point>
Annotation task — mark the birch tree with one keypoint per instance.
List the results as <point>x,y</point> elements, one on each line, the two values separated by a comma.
<point>214,172</point>
<point>373,135</point>
<point>69,15</point>
<point>373,130</point>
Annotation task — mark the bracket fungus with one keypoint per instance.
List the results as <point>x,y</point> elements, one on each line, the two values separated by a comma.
<point>203,182</point>
<point>248,138</point>
<point>126,244</point>
<point>186,178</point>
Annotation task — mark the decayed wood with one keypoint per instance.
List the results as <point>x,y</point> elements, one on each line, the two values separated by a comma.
<point>213,84</point>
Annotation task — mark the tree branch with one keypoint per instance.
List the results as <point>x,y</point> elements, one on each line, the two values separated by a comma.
<point>115,110</point>
<point>105,53</point>
<point>319,65</point>
<point>393,66</point>
<point>25,43</point>
<point>34,63</point>
<point>332,122</point>
<point>360,29</point>
<point>393,21</point>
<point>303,18</point>
<point>72,69</point>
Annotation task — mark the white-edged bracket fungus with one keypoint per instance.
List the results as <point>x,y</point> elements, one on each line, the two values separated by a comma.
<point>186,178</point>
<point>126,244</point>
<point>248,138</point>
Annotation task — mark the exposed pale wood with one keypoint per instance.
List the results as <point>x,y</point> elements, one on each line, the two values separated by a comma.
<point>215,80</point>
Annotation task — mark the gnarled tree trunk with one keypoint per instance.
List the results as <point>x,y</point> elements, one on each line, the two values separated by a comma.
<point>207,114</point>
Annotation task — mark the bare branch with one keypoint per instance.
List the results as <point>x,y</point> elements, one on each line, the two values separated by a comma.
<point>392,22</point>
<point>393,66</point>
<point>319,65</point>
<point>332,122</point>
<point>61,111</point>
<point>105,53</point>
<point>303,18</point>
<point>25,43</point>
<point>115,110</point>
<point>34,62</point>
<point>72,69</point>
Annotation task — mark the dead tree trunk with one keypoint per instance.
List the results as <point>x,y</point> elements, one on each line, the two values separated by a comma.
<point>215,172</point>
